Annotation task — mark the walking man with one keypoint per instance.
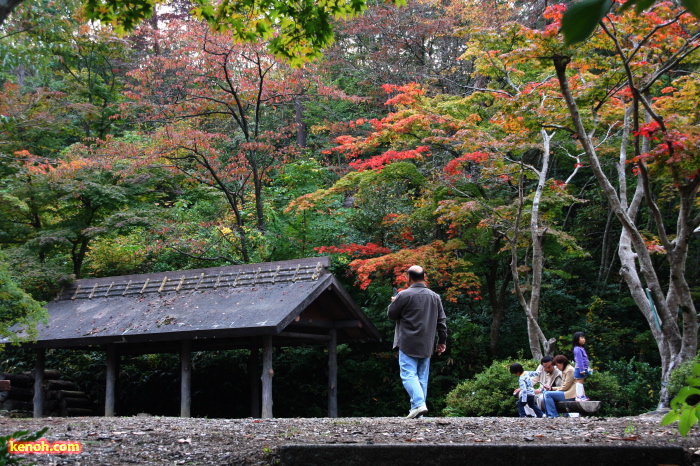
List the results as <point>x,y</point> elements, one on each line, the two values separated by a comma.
<point>419,315</point>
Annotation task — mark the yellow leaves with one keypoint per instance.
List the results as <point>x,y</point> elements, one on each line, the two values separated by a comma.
<point>514,124</point>
<point>473,118</point>
<point>310,201</point>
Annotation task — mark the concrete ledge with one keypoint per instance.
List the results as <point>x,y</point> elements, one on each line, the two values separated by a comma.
<point>583,407</point>
<point>492,455</point>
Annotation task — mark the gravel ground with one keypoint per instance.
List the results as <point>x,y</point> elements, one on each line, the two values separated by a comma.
<point>167,440</point>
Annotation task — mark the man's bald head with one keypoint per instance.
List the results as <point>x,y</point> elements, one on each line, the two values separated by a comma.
<point>416,273</point>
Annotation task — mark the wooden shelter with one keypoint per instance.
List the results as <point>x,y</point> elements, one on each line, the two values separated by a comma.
<point>245,306</point>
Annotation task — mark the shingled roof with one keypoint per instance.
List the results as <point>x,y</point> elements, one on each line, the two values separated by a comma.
<point>296,301</point>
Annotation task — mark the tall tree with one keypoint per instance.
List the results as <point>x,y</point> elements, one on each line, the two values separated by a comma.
<point>645,91</point>
<point>505,150</point>
<point>230,111</point>
<point>419,42</point>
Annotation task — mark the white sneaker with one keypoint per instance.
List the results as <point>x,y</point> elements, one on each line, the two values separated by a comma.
<point>417,412</point>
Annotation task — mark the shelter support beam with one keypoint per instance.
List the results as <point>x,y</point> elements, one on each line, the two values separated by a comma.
<point>326,323</point>
<point>185,378</point>
<point>333,374</point>
<point>308,336</point>
<point>39,383</point>
<point>253,368</point>
<point>112,374</point>
<point>267,374</point>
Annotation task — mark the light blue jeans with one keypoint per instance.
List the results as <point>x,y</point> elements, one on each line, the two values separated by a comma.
<point>549,398</point>
<point>414,375</point>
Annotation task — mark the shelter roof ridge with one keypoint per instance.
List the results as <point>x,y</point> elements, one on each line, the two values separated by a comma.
<point>179,281</point>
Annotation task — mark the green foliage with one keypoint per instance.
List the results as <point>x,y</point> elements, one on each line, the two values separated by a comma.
<point>121,255</point>
<point>64,86</point>
<point>605,387</point>
<point>292,235</point>
<point>693,6</point>
<point>469,340</point>
<point>296,31</point>
<point>628,389</point>
<point>123,15</point>
<point>370,385</point>
<point>582,18</point>
<point>685,406</point>
<point>17,307</point>
<point>489,393</point>
<point>678,379</point>
<point>19,436</point>
<point>634,390</point>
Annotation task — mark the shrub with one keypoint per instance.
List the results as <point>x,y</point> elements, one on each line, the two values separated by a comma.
<point>685,406</point>
<point>629,388</point>
<point>635,390</point>
<point>489,393</point>
<point>680,375</point>
<point>604,386</point>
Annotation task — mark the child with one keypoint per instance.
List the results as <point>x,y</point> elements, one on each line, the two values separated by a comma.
<point>526,392</point>
<point>581,369</point>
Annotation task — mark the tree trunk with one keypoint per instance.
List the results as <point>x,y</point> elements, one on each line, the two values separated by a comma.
<point>539,345</point>
<point>605,262</point>
<point>675,344</point>
<point>6,7</point>
<point>301,125</point>
<point>496,293</point>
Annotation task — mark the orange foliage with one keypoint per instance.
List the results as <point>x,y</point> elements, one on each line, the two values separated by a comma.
<point>407,95</point>
<point>380,161</point>
<point>354,250</point>
<point>443,269</point>
<point>454,166</point>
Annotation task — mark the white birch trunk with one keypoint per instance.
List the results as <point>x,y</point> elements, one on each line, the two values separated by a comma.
<point>539,344</point>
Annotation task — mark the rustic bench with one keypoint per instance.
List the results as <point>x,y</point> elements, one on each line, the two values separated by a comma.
<point>581,407</point>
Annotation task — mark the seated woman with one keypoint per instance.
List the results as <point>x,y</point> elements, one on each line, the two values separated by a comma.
<point>566,391</point>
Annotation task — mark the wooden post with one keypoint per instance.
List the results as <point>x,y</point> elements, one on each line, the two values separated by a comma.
<point>267,374</point>
<point>253,368</point>
<point>333,374</point>
<point>111,374</point>
<point>185,377</point>
<point>39,383</point>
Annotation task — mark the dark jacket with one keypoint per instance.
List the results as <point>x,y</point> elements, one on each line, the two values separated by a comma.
<point>418,314</point>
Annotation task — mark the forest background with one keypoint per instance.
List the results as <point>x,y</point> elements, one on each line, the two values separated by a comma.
<point>436,133</point>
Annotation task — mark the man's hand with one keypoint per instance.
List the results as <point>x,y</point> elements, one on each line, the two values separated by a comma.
<point>440,348</point>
